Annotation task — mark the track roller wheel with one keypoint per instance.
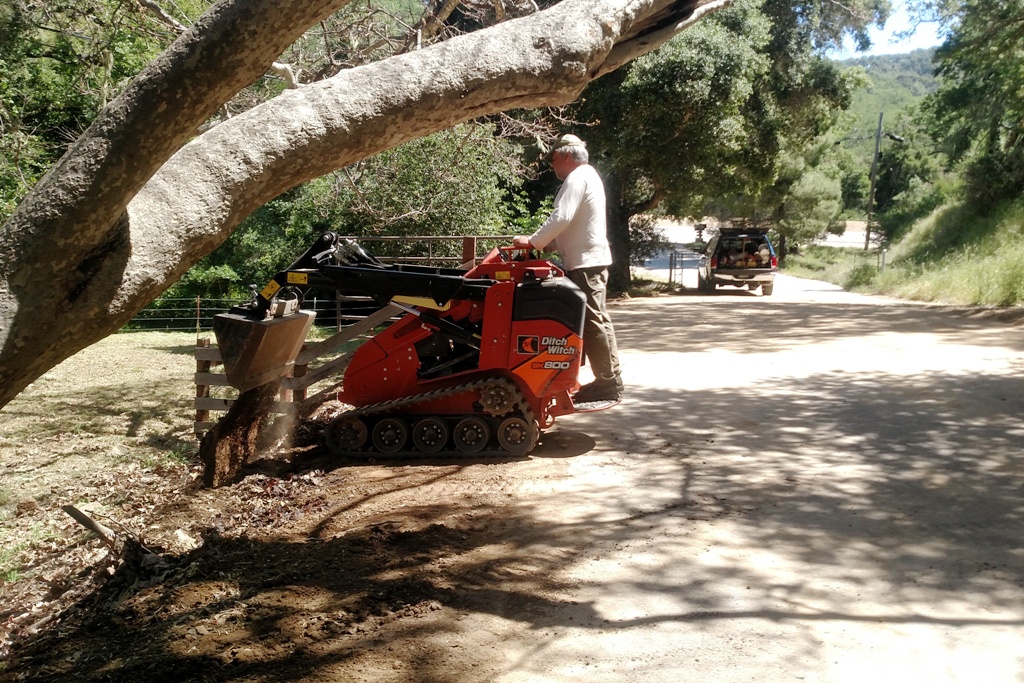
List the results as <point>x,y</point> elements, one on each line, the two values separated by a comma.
<point>345,434</point>
<point>430,434</point>
<point>517,436</point>
<point>497,399</point>
<point>390,434</point>
<point>471,435</point>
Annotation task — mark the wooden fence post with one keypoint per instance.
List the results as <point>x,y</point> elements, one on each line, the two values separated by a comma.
<point>202,390</point>
<point>469,250</point>
<point>300,370</point>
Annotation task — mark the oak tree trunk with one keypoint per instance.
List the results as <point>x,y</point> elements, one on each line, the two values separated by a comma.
<point>618,235</point>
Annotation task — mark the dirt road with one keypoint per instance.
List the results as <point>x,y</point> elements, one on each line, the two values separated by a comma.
<point>813,486</point>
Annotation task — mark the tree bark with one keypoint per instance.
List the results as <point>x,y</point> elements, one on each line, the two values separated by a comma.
<point>618,235</point>
<point>134,203</point>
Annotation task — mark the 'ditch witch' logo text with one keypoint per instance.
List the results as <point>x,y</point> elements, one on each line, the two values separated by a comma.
<point>531,345</point>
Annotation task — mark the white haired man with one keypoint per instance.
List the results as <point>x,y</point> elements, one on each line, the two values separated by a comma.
<point>577,228</point>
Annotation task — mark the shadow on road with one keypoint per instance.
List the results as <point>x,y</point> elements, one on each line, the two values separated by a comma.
<point>909,482</point>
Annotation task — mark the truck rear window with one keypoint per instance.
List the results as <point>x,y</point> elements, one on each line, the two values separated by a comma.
<point>744,252</point>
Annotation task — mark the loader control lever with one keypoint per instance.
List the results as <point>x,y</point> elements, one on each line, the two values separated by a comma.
<point>517,254</point>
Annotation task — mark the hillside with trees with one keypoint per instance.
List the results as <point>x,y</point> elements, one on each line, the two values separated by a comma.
<point>950,197</point>
<point>895,83</point>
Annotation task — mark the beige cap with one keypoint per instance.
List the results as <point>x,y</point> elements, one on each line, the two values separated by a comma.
<point>564,141</point>
<point>569,141</point>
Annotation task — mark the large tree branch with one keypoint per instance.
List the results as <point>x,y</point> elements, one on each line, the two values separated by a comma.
<point>73,217</point>
<point>228,48</point>
<point>653,38</point>
<point>73,279</point>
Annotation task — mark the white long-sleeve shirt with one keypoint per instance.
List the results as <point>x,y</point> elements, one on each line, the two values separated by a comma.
<point>577,225</point>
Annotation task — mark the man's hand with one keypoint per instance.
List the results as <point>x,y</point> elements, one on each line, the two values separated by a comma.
<point>520,242</point>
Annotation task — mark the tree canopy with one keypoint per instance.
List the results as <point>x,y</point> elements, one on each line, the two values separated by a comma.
<point>978,113</point>
<point>454,182</point>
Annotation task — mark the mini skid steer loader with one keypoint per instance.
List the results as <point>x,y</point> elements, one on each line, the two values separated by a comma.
<point>477,362</point>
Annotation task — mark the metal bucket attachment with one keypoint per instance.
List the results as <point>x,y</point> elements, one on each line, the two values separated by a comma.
<point>259,351</point>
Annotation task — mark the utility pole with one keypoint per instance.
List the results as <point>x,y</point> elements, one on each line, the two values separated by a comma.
<point>871,188</point>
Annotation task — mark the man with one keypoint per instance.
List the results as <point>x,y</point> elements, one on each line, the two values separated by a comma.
<point>578,230</point>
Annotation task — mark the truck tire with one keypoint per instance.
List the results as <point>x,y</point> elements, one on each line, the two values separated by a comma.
<point>766,290</point>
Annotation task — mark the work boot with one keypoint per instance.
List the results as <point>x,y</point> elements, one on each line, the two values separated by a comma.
<point>597,390</point>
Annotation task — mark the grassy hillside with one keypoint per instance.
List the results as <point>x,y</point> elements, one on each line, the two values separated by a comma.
<point>897,82</point>
<point>952,256</point>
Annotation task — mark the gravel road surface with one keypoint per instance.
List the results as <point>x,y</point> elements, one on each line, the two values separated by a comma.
<point>812,486</point>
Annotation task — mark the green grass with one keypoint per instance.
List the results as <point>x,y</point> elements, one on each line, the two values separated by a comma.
<point>849,267</point>
<point>953,256</point>
<point>11,556</point>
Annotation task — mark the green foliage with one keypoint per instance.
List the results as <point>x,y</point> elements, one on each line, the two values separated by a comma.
<point>709,115</point>
<point>902,159</point>
<point>679,124</point>
<point>854,183</point>
<point>910,178</point>
<point>849,267</point>
<point>917,201</point>
<point>723,120</point>
<point>450,183</point>
<point>802,204</point>
<point>267,241</point>
<point>978,112</point>
<point>954,255</point>
<point>860,276</point>
<point>950,230</point>
<point>523,221</point>
<point>209,280</point>
<point>812,204</point>
<point>646,239</point>
<point>894,83</point>
<point>461,181</point>
<point>821,26</point>
<point>60,62</point>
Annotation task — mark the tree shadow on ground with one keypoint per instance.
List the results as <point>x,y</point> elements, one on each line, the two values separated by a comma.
<point>926,497</point>
<point>907,484</point>
<point>285,609</point>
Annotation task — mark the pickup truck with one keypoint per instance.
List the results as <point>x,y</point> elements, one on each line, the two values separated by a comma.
<point>741,258</point>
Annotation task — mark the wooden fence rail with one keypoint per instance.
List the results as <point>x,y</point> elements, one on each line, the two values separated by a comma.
<point>306,372</point>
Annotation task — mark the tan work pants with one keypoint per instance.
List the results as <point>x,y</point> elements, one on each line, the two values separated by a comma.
<point>598,333</point>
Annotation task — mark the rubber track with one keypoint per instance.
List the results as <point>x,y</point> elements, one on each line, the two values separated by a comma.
<point>387,407</point>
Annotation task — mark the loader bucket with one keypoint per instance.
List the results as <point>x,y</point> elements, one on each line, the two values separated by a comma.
<point>259,351</point>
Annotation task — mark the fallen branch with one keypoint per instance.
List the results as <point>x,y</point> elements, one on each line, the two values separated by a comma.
<point>106,535</point>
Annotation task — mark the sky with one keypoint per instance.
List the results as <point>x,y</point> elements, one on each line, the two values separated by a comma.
<point>883,42</point>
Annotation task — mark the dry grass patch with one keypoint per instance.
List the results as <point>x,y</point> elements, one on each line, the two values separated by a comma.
<point>108,430</point>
